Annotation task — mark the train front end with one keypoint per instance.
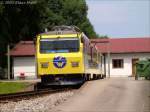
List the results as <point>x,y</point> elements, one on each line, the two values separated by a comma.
<point>60,59</point>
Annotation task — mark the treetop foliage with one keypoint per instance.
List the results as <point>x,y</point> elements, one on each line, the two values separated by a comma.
<point>25,19</point>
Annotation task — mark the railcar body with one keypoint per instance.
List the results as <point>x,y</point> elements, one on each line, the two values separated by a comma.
<point>65,56</point>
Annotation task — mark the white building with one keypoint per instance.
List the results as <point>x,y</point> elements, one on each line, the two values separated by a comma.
<point>124,52</point>
<point>23,60</point>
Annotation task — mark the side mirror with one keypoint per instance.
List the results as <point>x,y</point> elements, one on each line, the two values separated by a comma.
<point>82,40</point>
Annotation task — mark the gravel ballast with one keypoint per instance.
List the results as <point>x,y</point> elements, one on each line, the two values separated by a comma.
<point>39,104</point>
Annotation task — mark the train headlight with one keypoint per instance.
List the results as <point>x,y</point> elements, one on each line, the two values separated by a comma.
<point>44,65</point>
<point>75,64</point>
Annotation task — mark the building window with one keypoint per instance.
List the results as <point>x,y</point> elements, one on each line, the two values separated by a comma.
<point>117,63</point>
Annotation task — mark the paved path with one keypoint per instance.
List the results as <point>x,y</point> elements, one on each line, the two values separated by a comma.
<point>109,95</point>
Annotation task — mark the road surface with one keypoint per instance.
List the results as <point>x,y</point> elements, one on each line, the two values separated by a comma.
<point>109,95</point>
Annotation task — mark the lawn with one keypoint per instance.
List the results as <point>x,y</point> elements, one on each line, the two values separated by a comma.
<point>12,87</point>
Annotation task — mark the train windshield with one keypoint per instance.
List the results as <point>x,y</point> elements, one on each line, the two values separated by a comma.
<point>59,45</point>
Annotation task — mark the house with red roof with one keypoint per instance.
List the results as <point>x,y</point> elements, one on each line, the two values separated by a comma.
<point>120,56</point>
<point>23,60</point>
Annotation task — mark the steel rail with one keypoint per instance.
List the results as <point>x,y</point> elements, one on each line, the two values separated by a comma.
<point>28,94</point>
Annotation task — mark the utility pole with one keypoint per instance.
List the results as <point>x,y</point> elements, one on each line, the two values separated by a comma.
<point>8,62</point>
<point>109,60</point>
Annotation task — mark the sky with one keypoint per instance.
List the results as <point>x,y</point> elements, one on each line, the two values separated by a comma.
<point>120,18</point>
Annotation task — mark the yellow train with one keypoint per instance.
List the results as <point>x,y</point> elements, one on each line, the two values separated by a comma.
<point>65,56</point>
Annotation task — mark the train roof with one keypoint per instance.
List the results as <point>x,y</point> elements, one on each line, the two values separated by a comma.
<point>60,30</point>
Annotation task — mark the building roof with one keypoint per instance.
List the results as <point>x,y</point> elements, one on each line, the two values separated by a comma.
<point>23,48</point>
<point>114,45</point>
<point>123,45</point>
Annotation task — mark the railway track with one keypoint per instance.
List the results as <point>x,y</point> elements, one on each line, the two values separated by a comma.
<point>4,98</point>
